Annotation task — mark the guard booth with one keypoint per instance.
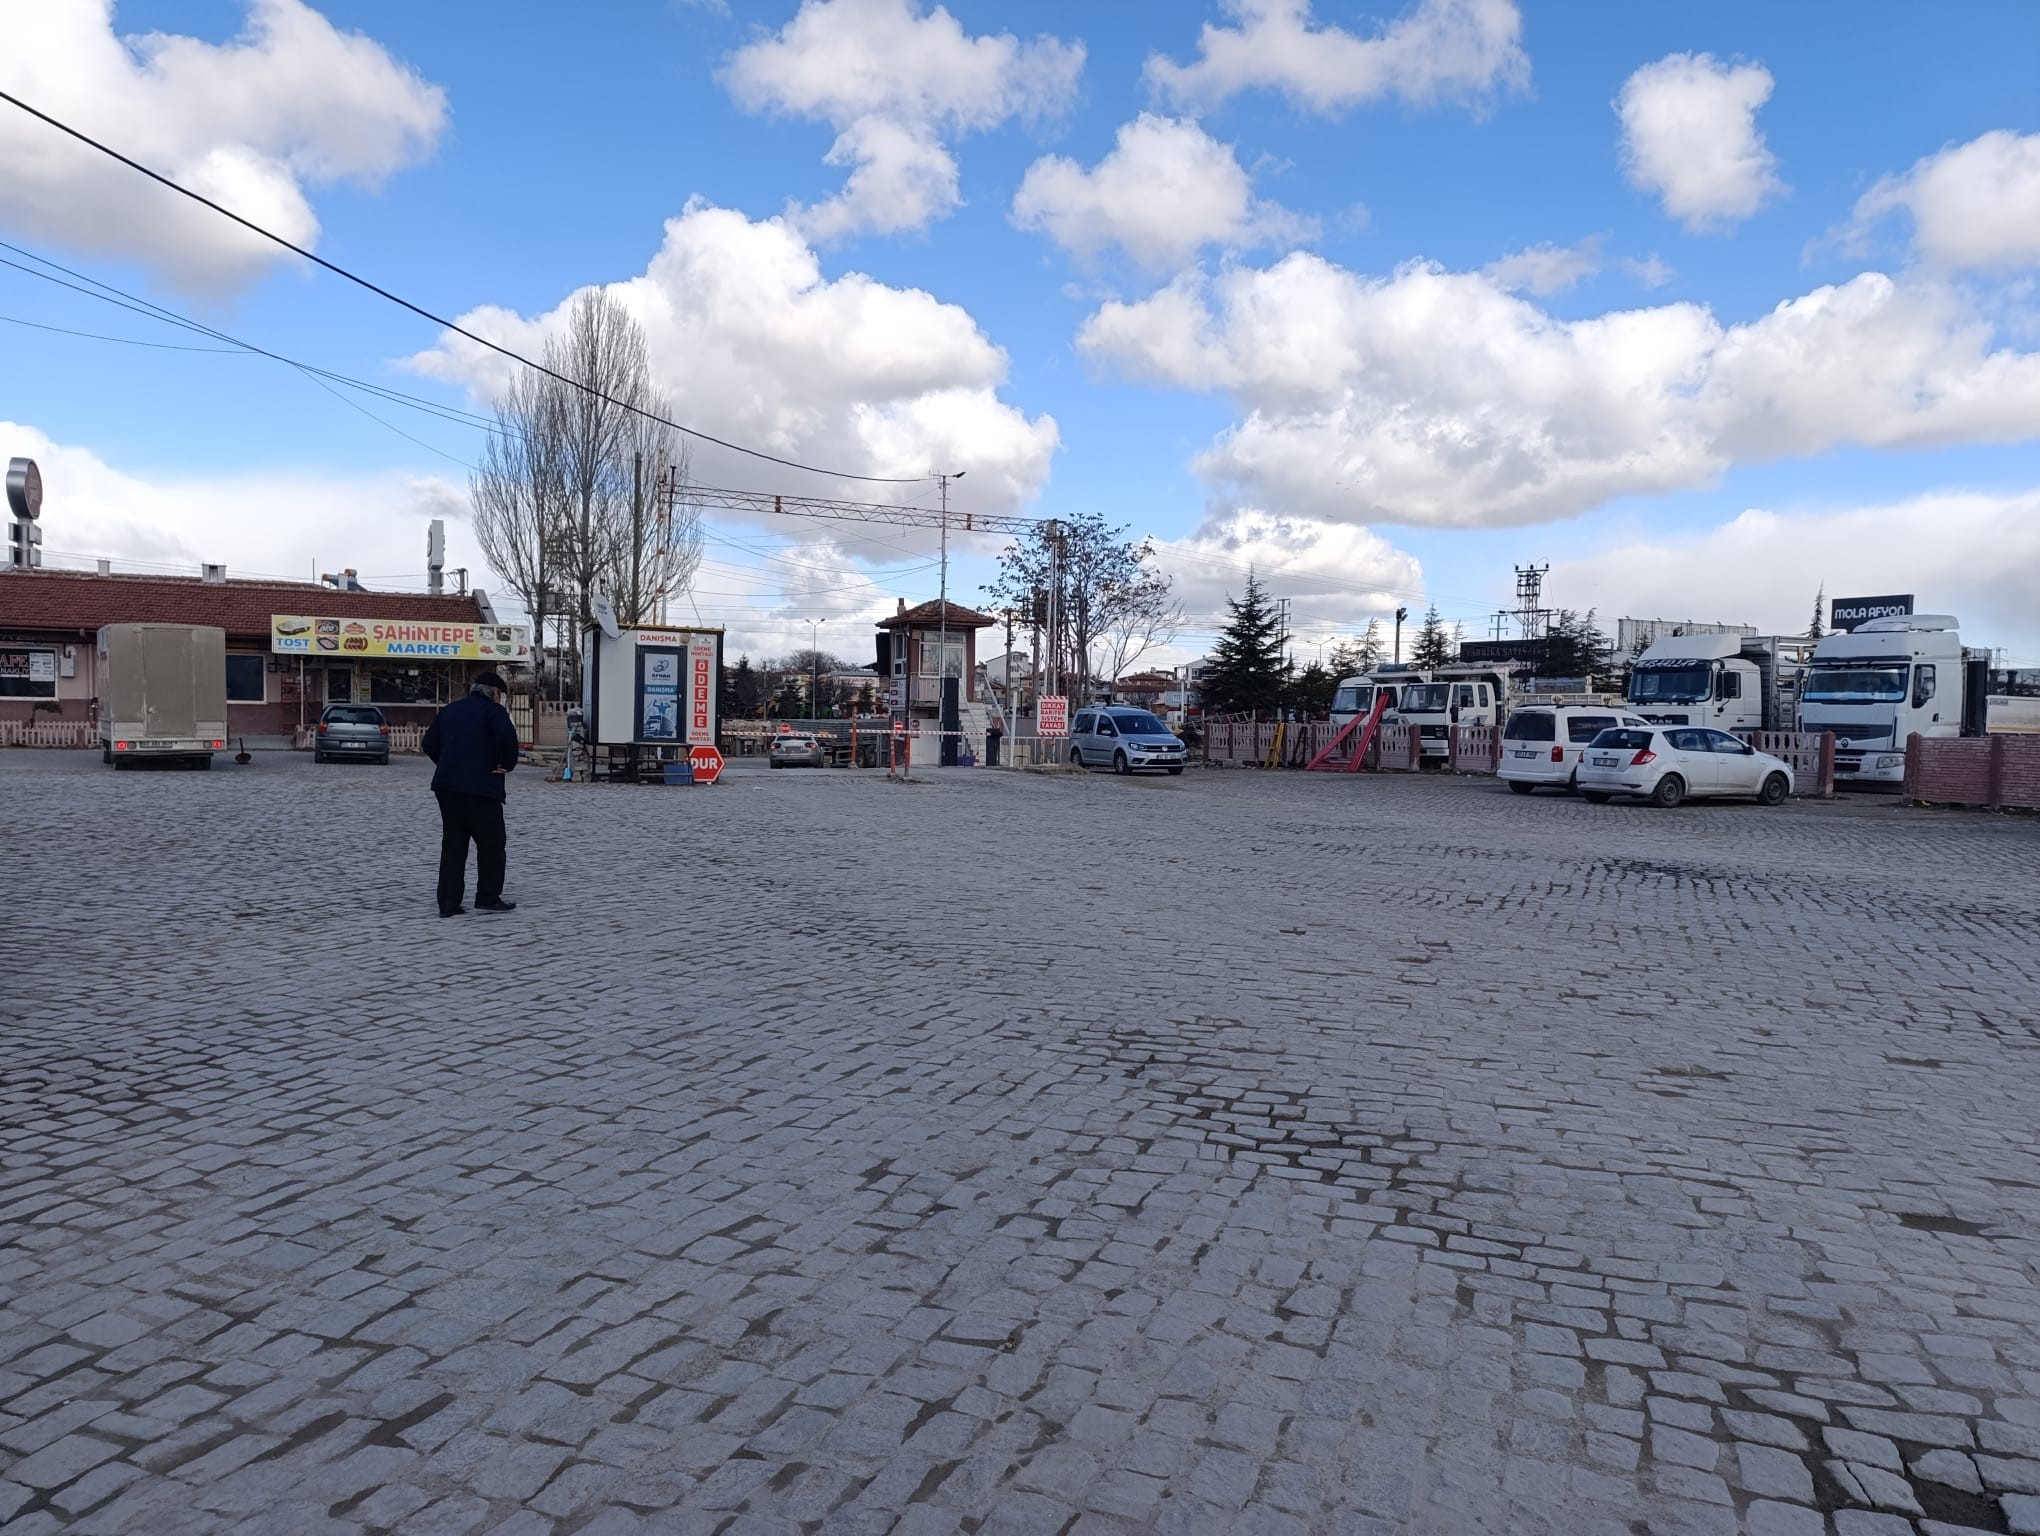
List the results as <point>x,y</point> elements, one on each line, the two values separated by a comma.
<point>649,695</point>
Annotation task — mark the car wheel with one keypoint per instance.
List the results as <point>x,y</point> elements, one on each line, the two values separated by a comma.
<point>1671,789</point>
<point>1572,784</point>
<point>1076,757</point>
<point>1173,772</point>
<point>1774,791</point>
<point>1518,787</point>
<point>1594,796</point>
<point>1119,763</point>
<point>775,763</point>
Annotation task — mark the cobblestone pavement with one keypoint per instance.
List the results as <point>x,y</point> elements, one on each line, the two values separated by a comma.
<point>1238,1152</point>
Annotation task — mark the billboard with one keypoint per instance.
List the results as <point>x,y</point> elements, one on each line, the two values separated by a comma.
<point>292,634</point>
<point>1633,635</point>
<point>1490,651</point>
<point>1846,613</point>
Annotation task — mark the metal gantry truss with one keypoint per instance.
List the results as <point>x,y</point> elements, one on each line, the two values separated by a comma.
<point>759,502</point>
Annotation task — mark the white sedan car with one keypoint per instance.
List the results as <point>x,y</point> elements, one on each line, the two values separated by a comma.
<point>1665,766</point>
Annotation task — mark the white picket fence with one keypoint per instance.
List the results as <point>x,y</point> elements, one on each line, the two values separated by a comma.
<point>49,733</point>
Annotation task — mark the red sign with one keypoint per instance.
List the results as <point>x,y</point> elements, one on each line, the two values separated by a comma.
<point>701,691</point>
<point>708,763</point>
<point>1053,716</point>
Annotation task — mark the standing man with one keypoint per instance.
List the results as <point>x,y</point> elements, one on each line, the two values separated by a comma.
<point>473,742</point>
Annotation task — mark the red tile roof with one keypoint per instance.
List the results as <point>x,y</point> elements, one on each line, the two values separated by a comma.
<point>84,600</point>
<point>930,613</point>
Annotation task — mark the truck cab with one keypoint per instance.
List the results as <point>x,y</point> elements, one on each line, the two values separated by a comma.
<point>1881,682</point>
<point>1698,680</point>
<point>1453,695</point>
<point>1356,695</point>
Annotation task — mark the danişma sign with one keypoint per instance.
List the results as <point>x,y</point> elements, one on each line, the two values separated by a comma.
<point>1849,612</point>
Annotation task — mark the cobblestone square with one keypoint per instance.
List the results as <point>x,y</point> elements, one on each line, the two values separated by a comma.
<point>1246,1152</point>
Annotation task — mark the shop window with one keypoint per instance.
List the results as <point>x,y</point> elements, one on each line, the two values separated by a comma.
<point>399,684</point>
<point>246,683</point>
<point>27,674</point>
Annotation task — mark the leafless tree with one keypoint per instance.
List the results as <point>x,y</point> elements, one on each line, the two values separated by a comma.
<point>519,499</point>
<point>1114,603</point>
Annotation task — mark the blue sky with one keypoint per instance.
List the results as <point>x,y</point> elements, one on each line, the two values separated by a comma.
<point>1299,353</point>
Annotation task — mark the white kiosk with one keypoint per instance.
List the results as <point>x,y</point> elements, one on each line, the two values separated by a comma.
<point>649,694</point>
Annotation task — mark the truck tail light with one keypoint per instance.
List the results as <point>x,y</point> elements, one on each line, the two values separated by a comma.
<point>1558,754</point>
<point>1643,758</point>
<point>218,745</point>
<point>120,746</point>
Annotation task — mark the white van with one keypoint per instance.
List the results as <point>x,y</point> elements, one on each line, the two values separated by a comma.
<point>1542,743</point>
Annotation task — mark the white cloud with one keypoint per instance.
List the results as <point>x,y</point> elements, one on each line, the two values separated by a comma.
<point>1689,135</point>
<point>1335,575</point>
<point>1434,397</point>
<point>178,520</point>
<point>753,344</point>
<point>1649,271</point>
<point>290,104</point>
<point>1974,555</point>
<point>1441,50</point>
<point>1974,205</point>
<point>1547,268</point>
<point>897,85</point>
<point>1167,190</point>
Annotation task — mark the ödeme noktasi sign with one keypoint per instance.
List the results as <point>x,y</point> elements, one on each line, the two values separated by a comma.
<point>293,634</point>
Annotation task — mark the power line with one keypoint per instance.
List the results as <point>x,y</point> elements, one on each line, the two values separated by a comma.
<point>440,320</point>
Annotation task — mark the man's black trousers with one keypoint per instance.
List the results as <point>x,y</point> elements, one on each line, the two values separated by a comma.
<point>465,819</point>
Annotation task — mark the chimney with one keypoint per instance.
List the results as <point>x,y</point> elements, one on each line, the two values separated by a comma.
<point>902,606</point>
<point>215,575</point>
<point>105,567</point>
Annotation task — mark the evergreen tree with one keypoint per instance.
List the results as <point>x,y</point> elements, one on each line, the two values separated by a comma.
<point>1575,646</point>
<point>1818,628</point>
<point>1246,671</point>
<point>1310,691</point>
<point>743,693</point>
<point>1433,647</point>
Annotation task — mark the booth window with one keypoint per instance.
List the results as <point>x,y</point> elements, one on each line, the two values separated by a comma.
<point>245,681</point>
<point>27,674</point>
<point>397,684</point>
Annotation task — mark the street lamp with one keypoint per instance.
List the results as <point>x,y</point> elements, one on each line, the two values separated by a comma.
<point>1400,615</point>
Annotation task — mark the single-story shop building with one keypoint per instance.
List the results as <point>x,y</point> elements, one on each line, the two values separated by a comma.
<point>292,647</point>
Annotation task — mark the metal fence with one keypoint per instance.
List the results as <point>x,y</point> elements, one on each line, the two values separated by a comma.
<point>1293,743</point>
<point>1474,749</point>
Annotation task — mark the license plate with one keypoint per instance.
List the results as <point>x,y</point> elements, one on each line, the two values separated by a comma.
<point>1526,754</point>
<point>1605,762</point>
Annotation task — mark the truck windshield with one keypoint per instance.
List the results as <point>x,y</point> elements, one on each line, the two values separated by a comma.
<point>1425,698</point>
<point>1353,701</point>
<point>1854,685</point>
<point>1670,685</point>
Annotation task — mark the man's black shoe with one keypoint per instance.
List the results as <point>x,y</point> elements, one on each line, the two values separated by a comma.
<point>498,905</point>
<point>451,911</point>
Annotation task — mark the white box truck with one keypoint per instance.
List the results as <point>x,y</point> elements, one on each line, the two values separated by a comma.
<point>1888,679</point>
<point>162,693</point>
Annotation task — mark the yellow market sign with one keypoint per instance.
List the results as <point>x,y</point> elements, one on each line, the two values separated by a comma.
<point>293,634</point>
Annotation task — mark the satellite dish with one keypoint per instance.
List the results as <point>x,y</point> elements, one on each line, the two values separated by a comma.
<point>605,615</point>
<point>24,489</point>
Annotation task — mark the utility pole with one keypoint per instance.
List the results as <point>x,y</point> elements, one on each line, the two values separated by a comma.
<point>1400,615</point>
<point>637,538</point>
<point>942,667</point>
<point>814,697</point>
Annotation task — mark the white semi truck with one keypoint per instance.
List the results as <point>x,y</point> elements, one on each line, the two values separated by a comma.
<point>1888,679</point>
<point>1356,695</point>
<point>1731,682</point>
<point>162,693</point>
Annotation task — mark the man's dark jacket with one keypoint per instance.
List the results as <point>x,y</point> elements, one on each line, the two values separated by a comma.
<point>471,737</point>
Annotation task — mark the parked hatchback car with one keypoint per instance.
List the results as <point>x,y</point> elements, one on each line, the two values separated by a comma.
<point>1542,743</point>
<point>356,731</point>
<point>795,750</point>
<point>1125,740</point>
<point>1667,765</point>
